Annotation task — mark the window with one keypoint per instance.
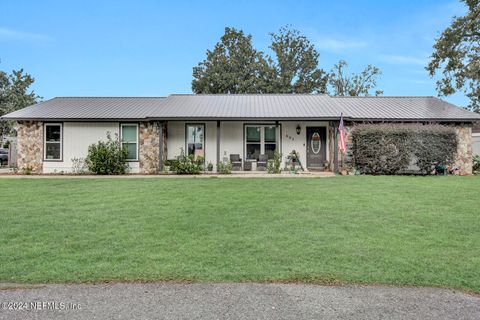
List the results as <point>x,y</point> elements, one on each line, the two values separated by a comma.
<point>53,141</point>
<point>260,139</point>
<point>129,137</point>
<point>194,140</point>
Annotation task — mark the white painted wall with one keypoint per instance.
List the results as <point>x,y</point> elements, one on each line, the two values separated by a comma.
<point>476,143</point>
<point>232,140</point>
<point>293,141</point>
<point>77,136</point>
<point>176,139</point>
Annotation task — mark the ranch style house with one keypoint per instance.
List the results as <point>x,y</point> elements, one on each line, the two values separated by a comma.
<point>247,128</point>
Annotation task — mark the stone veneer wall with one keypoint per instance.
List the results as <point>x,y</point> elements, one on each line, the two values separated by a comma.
<point>149,147</point>
<point>464,160</point>
<point>30,146</point>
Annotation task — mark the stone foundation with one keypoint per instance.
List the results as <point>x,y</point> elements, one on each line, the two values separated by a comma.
<point>30,147</point>
<point>150,147</point>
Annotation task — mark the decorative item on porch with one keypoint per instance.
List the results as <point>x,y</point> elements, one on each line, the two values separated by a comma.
<point>293,160</point>
<point>210,167</point>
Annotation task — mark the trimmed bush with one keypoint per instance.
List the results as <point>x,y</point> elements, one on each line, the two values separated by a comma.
<point>107,157</point>
<point>391,149</point>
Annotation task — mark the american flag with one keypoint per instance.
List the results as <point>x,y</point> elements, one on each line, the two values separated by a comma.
<point>342,144</point>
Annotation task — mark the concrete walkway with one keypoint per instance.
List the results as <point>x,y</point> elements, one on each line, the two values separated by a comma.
<point>167,176</point>
<point>235,301</point>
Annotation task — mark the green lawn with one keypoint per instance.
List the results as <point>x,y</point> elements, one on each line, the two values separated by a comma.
<point>390,230</point>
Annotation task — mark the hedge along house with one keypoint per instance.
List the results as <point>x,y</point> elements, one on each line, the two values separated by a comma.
<point>51,134</point>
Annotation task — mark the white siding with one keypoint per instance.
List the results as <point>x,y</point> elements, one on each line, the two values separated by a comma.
<point>176,139</point>
<point>476,143</point>
<point>77,136</point>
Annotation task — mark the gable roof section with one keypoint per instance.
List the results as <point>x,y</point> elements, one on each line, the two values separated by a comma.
<point>244,106</point>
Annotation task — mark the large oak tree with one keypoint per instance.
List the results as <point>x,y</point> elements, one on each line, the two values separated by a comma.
<point>457,55</point>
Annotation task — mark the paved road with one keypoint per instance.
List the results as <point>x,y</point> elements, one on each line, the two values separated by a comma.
<point>239,301</point>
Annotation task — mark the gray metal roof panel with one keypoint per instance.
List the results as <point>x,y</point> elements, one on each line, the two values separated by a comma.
<point>245,106</point>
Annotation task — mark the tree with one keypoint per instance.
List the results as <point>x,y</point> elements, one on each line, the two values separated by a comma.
<point>233,66</point>
<point>355,84</point>
<point>295,69</point>
<point>14,95</point>
<point>457,53</point>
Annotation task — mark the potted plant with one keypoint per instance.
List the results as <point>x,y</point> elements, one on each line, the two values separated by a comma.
<point>210,166</point>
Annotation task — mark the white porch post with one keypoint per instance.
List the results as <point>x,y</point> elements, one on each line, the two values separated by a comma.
<point>218,143</point>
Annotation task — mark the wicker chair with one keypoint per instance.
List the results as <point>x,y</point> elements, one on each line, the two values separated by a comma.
<point>262,162</point>
<point>236,162</point>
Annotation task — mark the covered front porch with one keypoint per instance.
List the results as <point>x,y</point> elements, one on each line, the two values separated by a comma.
<point>308,146</point>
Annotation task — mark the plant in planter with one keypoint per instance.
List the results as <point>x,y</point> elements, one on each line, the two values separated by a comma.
<point>187,164</point>
<point>210,166</point>
<point>224,167</point>
<point>274,165</point>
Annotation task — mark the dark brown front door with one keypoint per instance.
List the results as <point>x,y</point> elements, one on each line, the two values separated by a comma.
<point>316,147</point>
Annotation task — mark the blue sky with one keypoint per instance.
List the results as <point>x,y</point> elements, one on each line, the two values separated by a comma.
<point>148,48</point>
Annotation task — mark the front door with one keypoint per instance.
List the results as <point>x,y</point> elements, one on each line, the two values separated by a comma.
<point>316,147</point>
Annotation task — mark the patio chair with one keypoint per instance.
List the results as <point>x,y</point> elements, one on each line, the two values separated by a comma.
<point>236,162</point>
<point>262,162</point>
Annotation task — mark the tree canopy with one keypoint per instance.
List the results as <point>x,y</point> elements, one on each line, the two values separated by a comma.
<point>457,54</point>
<point>355,84</point>
<point>295,65</point>
<point>14,95</point>
<point>235,66</point>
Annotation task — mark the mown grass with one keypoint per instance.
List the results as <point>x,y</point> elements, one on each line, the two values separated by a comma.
<point>390,230</point>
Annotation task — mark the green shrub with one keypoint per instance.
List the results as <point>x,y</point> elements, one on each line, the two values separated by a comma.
<point>186,164</point>
<point>224,167</point>
<point>107,157</point>
<point>476,164</point>
<point>274,165</point>
<point>391,149</point>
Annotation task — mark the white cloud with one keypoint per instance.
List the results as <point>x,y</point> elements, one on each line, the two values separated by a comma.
<point>332,44</point>
<point>24,36</point>
<point>403,59</point>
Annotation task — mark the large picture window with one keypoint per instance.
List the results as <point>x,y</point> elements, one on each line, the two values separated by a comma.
<point>52,141</point>
<point>260,139</point>
<point>195,140</point>
<point>129,137</point>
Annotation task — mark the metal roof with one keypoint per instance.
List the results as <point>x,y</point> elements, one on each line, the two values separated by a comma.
<point>245,106</point>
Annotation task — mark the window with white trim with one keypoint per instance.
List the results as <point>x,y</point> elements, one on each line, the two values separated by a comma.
<point>129,138</point>
<point>52,141</point>
<point>195,139</point>
<point>260,139</point>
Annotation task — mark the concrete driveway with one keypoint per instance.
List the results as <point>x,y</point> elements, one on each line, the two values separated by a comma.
<point>235,301</point>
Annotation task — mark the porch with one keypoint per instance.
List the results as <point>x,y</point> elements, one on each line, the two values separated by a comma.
<point>309,146</point>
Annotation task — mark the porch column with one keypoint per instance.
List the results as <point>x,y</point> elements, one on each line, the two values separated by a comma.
<point>335,149</point>
<point>161,128</point>
<point>218,143</point>
<point>278,136</point>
